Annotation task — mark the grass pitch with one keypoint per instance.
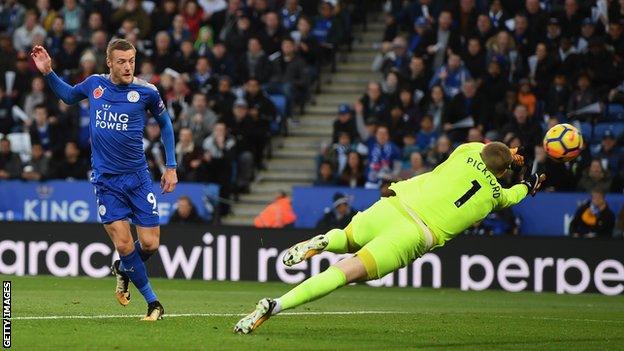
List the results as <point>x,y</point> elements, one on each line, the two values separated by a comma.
<point>408,319</point>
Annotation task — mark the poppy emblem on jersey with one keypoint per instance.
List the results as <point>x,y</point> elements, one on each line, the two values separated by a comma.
<point>133,96</point>
<point>98,92</point>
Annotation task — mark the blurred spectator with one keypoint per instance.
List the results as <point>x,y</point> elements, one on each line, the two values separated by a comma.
<point>187,62</point>
<point>162,16</point>
<point>416,166</point>
<point>216,167</point>
<point>278,214</point>
<point>353,174</point>
<point>328,31</point>
<point>10,163</point>
<point>525,128</point>
<point>193,16</point>
<point>73,15</point>
<point>608,153</point>
<point>255,63</point>
<point>188,154</point>
<point>393,57</point>
<point>465,110</point>
<point>72,167</point>
<point>344,123</point>
<point>242,126</point>
<point>68,59</point>
<point>440,152</point>
<point>451,76</point>
<point>416,41</point>
<point>427,135</point>
<point>325,176</point>
<point>154,150</point>
<point>474,57</point>
<point>289,76</point>
<point>38,167</point>
<point>558,97</point>
<point>261,113</point>
<point>133,11</point>
<point>496,223</point>
<point>559,178</point>
<point>273,33</point>
<point>308,46</point>
<point>339,215</point>
<point>23,36</point>
<point>179,31</point>
<point>337,153</point>
<point>222,99</point>
<point>595,177</point>
<point>526,97</point>
<point>290,14</point>
<point>618,231</point>
<point>48,131</point>
<point>163,56</point>
<point>198,117</point>
<point>373,103</point>
<point>238,39</point>
<point>582,96</point>
<point>384,159</point>
<point>594,218</point>
<point>418,78</point>
<point>185,212</point>
<point>6,112</point>
<point>35,97</point>
<point>11,15</point>
<point>439,40</point>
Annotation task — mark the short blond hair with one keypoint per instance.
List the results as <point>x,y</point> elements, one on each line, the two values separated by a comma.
<point>118,44</point>
<point>496,157</point>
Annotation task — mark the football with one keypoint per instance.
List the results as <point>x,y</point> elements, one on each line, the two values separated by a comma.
<point>563,142</point>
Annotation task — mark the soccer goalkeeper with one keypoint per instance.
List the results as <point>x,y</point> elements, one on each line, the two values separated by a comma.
<point>415,216</point>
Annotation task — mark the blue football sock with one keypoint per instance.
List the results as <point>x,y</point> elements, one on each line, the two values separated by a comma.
<point>134,268</point>
<point>145,255</point>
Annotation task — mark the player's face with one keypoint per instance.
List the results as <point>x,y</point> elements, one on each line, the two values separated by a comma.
<point>121,64</point>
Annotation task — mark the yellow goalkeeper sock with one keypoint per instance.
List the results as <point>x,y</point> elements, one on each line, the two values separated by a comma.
<point>312,288</point>
<point>337,241</point>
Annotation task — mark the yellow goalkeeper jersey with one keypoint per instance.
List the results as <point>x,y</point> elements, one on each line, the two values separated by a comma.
<point>457,193</point>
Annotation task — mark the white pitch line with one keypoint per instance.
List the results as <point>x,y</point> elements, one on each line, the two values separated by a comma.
<point>308,313</point>
<point>176,315</point>
<point>563,319</point>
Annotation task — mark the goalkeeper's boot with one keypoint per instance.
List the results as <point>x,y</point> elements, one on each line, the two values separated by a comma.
<point>122,291</point>
<point>253,320</point>
<point>305,249</point>
<point>155,311</point>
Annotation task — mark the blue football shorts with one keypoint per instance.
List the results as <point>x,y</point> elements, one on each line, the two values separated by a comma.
<point>126,196</point>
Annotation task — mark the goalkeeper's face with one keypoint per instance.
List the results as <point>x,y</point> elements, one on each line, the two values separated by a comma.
<point>121,64</point>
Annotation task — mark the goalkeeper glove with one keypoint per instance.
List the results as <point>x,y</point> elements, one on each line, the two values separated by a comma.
<point>533,182</point>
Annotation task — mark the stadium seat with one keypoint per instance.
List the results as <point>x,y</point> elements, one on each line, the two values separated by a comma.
<point>614,112</point>
<point>617,128</point>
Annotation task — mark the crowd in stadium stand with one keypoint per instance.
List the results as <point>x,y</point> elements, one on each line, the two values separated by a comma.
<point>229,72</point>
<point>476,70</point>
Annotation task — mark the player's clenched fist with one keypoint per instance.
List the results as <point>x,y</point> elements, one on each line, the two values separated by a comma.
<point>42,59</point>
<point>168,180</point>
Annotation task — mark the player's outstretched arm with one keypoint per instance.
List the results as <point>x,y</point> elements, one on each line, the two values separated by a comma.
<point>515,194</point>
<point>67,93</point>
<point>169,179</point>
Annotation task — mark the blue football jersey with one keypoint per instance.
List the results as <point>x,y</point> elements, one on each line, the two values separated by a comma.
<point>117,120</point>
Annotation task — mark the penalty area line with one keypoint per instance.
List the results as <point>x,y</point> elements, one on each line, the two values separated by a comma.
<point>182,315</point>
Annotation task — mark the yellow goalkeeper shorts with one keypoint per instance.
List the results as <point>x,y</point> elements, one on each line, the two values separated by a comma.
<point>387,236</point>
